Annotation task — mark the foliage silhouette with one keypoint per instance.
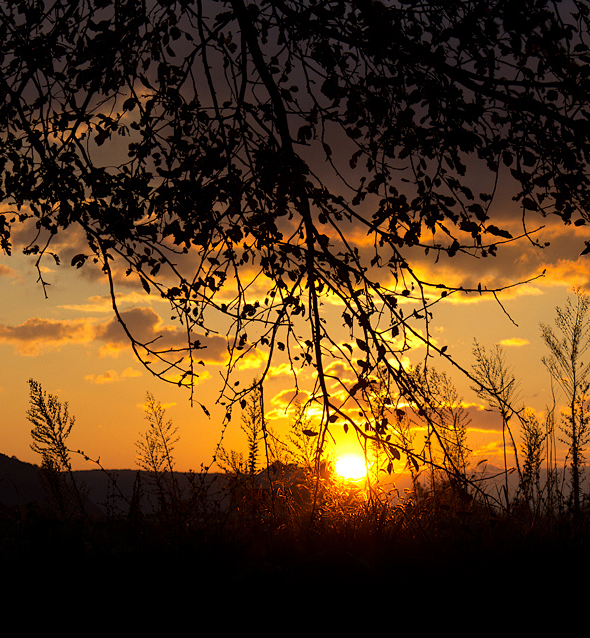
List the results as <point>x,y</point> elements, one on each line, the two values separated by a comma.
<point>567,367</point>
<point>533,437</point>
<point>497,386</point>
<point>447,422</point>
<point>155,450</point>
<point>227,155</point>
<point>52,425</point>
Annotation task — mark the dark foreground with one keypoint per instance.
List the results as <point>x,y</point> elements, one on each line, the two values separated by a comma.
<point>246,539</point>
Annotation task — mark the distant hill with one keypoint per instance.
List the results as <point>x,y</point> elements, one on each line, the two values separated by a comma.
<point>112,491</point>
<point>20,485</point>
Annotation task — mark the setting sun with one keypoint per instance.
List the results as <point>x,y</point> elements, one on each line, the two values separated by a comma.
<point>351,467</point>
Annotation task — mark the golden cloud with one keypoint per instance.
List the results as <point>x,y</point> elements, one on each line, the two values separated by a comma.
<point>568,273</point>
<point>104,304</point>
<point>147,327</point>
<point>251,360</point>
<point>146,405</point>
<point>283,369</point>
<point>516,342</point>
<point>112,376</point>
<point>130,373</point>
<point>287,397</point>
<point>6,271</point>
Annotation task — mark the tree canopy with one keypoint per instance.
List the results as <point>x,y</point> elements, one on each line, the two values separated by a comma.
<point>253,162</point>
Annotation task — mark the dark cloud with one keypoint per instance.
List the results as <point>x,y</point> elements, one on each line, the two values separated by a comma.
<point>147,327</point>
<point>36,334</point>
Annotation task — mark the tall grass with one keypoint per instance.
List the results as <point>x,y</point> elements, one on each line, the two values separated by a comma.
<point>290,517</point>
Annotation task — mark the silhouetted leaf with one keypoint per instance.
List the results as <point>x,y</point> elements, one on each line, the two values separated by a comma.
<point>362,345</point>
<point>205,409</point>
<point>145,285</point>
<point>498,232</point>
<point>79,260</point>
<point>529,204</point>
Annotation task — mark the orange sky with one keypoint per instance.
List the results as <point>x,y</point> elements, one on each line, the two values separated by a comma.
<point>71,344</point>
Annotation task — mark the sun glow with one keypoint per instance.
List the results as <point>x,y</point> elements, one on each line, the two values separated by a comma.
<point>351,467</point>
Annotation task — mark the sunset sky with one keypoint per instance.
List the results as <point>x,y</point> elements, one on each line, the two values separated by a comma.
<point>71,344</point>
